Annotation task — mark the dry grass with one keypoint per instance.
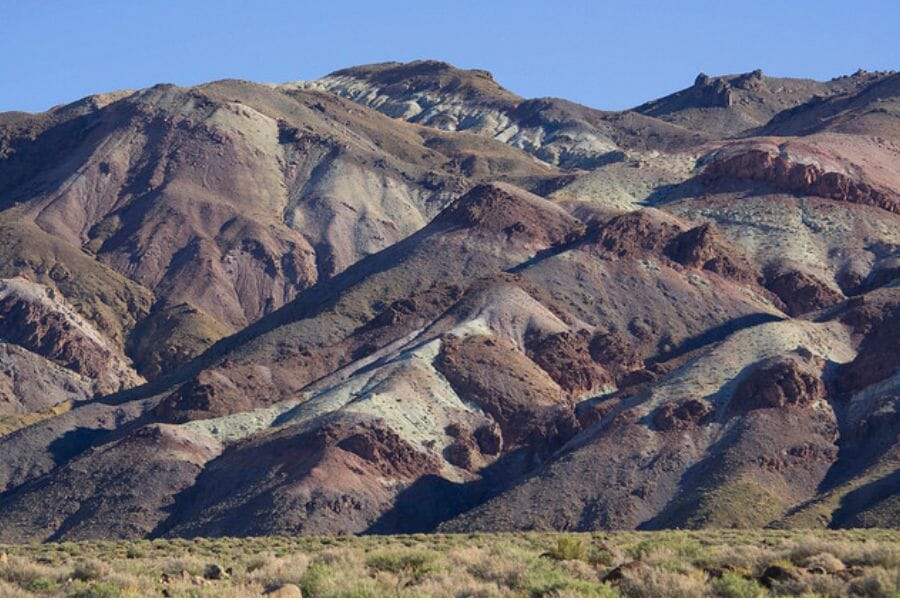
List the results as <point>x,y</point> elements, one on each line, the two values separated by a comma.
<point>731,563</point>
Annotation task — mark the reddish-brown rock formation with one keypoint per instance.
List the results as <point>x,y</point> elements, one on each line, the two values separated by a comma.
<point>789,380</point>
<point>682,415</point>
<point>379,445</point>
<point>338,477</point>
<point>523,218</point>
<point>409,347</point>
<point>529,407</point>
<point>801,292</point>
<point>31,318</point>
<point>636,234</point>
<point>799,178</point>
<point>703,248</point>
<point>567,359</point>
<point>612,350</point>
<point>879,354</point>
<point>214,393</point>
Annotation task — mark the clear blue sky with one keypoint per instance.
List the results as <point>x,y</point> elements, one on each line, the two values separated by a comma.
<point>610,55</point>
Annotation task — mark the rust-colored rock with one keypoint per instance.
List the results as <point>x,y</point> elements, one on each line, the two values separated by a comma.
<point>879,354</point>
<point>802,293</point>
<point>682,415</point>
<point>522,217</point>
<point>30,321</point>
<point>216,393</point>
<point>636,234</point>
<point>612,350</point>
<point>380,446</point>
<point>761,165</point>
<point>567,359</point>
<point>790,380</point>
<point>489,438</point>
<point>703,248</point>
<point>529,407</point>
<point>462,453</point>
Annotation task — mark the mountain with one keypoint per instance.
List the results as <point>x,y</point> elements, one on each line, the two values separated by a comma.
<point>402,298</point>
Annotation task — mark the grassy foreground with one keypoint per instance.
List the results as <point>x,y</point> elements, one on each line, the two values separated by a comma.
<point>670,563</point>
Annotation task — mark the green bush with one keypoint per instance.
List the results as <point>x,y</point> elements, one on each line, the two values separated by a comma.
<point>40,586</point>
<point>732,585</point>
<point>89,571</point>
<point>314,582</point>
<point>98,589</point>
<point>411,564</point>
<point>552,583</point>
<point>568,548</point>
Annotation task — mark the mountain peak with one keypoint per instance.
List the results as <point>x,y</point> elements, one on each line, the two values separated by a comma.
<point>393,72</point>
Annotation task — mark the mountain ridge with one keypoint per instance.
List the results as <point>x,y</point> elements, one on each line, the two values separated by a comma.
<point>401,298</point>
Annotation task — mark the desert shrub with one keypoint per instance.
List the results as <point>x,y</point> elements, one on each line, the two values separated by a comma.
<point>807,584</point>
<point>732,585</point>
<point>269,569</point>
<point>876,555</point>
<point>40,586</point>
<point>659,583</point>
<point>408,566</point>
<point>500,568</point>
<point>89,570</point>
<point>189,564</point>
<point>644,548</point>
<point>876,583</point>
<point>10,590</point>
<point>476,590</point>
<point>97,589</point>
<point>578,569</point>
<point>546,583</point>
<point>827,586</point>
<point>346,557</point>
<point>605,554</point>
<point>824,561</point>
<point>30,575</point>
<point>753,558</point>
<point>314,582</point>
<point>443,584</point>
<point>568,548</point>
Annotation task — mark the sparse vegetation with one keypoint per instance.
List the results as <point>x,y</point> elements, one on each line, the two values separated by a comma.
<point>730,563</point>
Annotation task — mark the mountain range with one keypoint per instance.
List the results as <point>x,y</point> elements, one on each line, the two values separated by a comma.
<point>402,298</point>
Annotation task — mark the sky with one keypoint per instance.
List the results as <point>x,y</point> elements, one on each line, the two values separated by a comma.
<point>606,54</point>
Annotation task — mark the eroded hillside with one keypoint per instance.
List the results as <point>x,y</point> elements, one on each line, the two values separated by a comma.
<point>402,298</point>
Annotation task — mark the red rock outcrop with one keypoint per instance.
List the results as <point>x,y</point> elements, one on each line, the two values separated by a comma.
<point>618,357</point>
<point>801,292</point>
<point>46,327</point>
<point>798,178</point>
<point>636,234</point>
<point>529,407</point>
<point>879,354</point>
<point>215,393</point>
<point>703,248</point>
<point>566,357</point>
<point>380,446</point>
<point>790,380</point>
<point>682,415</point>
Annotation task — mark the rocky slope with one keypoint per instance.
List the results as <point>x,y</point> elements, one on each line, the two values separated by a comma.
<point>402,298</point>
